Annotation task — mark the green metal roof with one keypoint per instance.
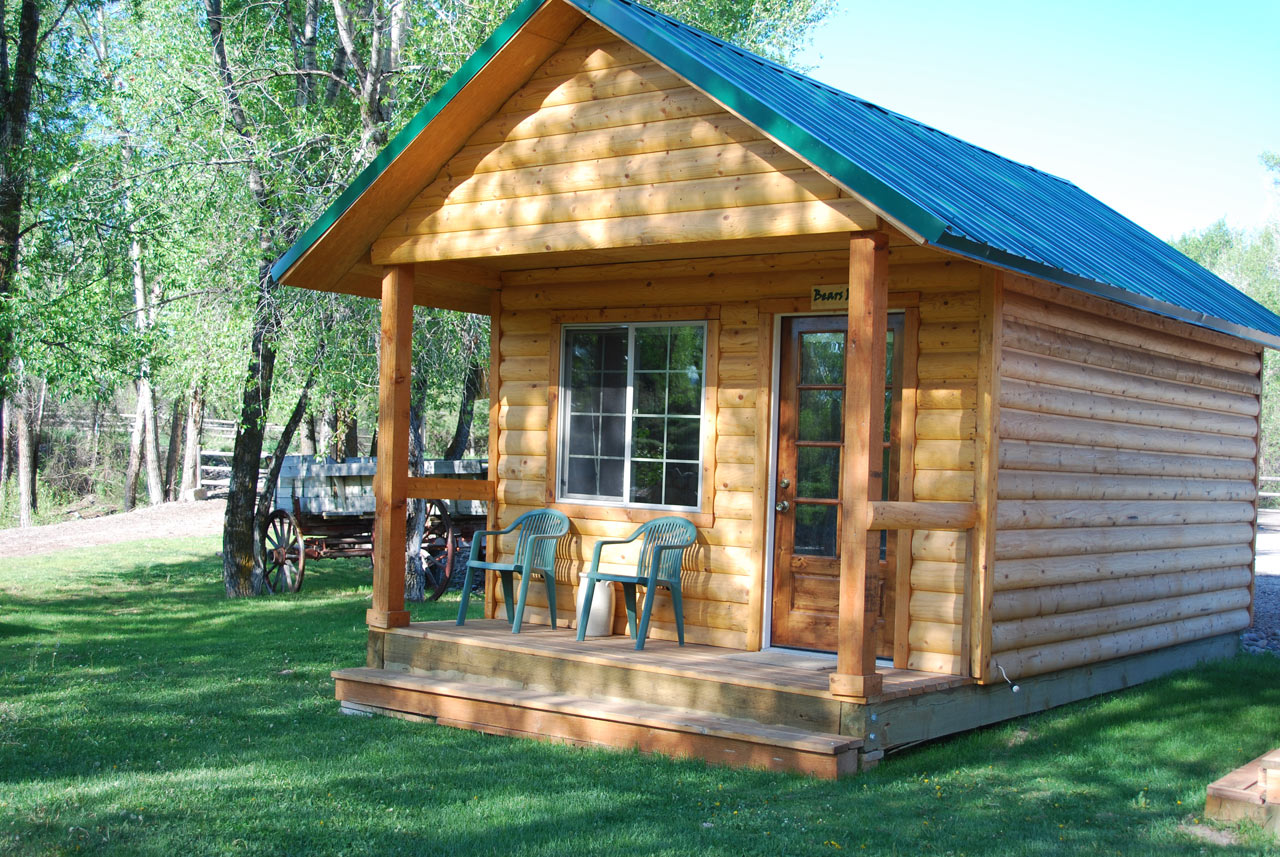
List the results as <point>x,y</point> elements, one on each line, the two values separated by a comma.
<point>951,194</point>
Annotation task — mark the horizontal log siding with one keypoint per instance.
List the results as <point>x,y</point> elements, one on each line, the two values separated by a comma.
<point>1127,483</point>
<point>606,148</point>
<point>721,570</point>
<point>946,417</point>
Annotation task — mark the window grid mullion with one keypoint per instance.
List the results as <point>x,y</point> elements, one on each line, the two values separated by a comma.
<point>628,406</point>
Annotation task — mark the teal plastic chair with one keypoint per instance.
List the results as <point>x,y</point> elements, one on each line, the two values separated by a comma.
<point>665,540</point>
<point>535,554</point>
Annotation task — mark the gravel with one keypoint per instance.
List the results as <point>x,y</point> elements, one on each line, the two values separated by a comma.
<point>1264,634</point>
<point>169,520</point>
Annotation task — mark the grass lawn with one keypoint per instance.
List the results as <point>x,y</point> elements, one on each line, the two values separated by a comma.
<point>142,713</point>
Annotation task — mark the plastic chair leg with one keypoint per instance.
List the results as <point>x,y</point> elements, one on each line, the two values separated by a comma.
<point>466,595</point>
<point>509,596</point>
<point>586,605</point>
<point>524,593</point>
<point>678,606</point>
<point>549,578</point>
<point>644,616</point>
<point>629,598</point>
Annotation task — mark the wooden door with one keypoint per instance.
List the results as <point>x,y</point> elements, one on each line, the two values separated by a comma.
<point>807,537</point>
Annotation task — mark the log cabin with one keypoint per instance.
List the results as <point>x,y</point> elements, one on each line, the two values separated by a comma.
<point>960,442</point>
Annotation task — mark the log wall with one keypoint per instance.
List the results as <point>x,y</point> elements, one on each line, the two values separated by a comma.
<point>724,577</point>
<point>605,148</point>
<point>946,402</point>
<point>1127,482</point>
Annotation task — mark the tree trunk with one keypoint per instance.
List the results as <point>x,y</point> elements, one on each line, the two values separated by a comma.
<point>191,446</point>
<point>136,438</point>
<point>95,438</point>
<point>351,439</point>
<point>171,454</point>
<point>265,504</point>
<point>26,461</point>
<point>37,431</point>
<point>415,575</point>
<point>329,432</point>
<point>307,442</point>
<point>151,445</point>
<point>466,412</point>
<point>241,553</point>
<point>6,447</point>
<point>15,113</point>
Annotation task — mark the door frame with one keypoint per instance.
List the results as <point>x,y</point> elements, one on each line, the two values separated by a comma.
<point>905,304</point>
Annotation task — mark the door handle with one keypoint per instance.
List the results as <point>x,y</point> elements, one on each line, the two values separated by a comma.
<point>782,505</point>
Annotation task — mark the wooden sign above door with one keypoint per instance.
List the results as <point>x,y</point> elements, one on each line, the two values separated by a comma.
<point>828,298</point>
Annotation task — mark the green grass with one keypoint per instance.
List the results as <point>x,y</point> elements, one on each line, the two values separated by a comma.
<point>142,713</point>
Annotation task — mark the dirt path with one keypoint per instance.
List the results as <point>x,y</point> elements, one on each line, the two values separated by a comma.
<point>171,520</point>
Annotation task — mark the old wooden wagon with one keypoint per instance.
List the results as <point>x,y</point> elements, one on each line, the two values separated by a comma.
<point>324,509</point>
<point>943,422</point>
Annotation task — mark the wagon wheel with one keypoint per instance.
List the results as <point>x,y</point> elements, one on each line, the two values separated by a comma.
<point>439,547</point>
<point>283,553</point>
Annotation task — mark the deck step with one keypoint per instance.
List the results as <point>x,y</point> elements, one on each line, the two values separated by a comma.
<point>582,720</point>
<point>1251,791</point>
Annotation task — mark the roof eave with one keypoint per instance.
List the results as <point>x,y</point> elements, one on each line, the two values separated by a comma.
<point>489,49</point>
<point>991,256</point>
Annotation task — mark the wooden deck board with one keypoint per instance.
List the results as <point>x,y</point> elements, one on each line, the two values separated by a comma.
<point>792,672</point>
<point>560,717</point>
<point>1243,793</point>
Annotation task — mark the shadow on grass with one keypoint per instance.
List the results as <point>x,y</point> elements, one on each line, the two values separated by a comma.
<point>143,713</point>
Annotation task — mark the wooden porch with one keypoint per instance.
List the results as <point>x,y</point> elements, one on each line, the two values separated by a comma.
<point>772,709</point>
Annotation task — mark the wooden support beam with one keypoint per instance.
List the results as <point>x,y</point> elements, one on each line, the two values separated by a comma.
<point>391,478</point>
<point>982,557</point>
<point>495,429</point>
<point>855,674</point>
<point>449,488</point>
<point>899,515</point>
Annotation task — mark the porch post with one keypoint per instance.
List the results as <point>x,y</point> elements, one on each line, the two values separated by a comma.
<point>855,674</point>
<point>390,479</point>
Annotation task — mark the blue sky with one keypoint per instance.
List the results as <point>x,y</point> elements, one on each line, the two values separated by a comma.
<point>1161,110</point>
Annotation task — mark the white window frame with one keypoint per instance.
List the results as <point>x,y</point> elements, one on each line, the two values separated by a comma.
<point>565,430</point>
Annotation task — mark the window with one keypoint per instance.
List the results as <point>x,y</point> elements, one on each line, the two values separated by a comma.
<point>632,396</point>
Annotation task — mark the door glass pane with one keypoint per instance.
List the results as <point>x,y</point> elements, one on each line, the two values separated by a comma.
<point>816,530</point>
<point>822,358</point>
<point>821,415</point>
<point>818,472</point>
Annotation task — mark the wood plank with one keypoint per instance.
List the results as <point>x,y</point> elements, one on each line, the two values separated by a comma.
<point>907,451</point>
<point>498,323</point>
<point>445,488</point>
<point>1072,458</point>
<point>986,472</point>
<point>585,205</point>
<point>1052,571</point>
<point>1025,425</point>
<point>1068,598</point>
<point>1137,331</point>
<point>701,162</point>
<point>855,674</point>
<point>1029,514</point>
<point>391,476</point>
<point>1049,658</point>
<point>1080,349</point>
<point>1130,315</point>
<point>757,221</point>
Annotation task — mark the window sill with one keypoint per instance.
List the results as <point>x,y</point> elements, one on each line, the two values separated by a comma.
<point>631,514</point>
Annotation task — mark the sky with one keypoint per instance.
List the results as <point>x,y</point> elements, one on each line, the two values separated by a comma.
<point>1159,109</point>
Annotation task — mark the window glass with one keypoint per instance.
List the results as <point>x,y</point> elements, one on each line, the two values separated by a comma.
<point>633,398</point>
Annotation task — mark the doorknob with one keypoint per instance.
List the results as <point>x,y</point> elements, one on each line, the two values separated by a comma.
<point>784,484</point>
<point>782,506</point>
